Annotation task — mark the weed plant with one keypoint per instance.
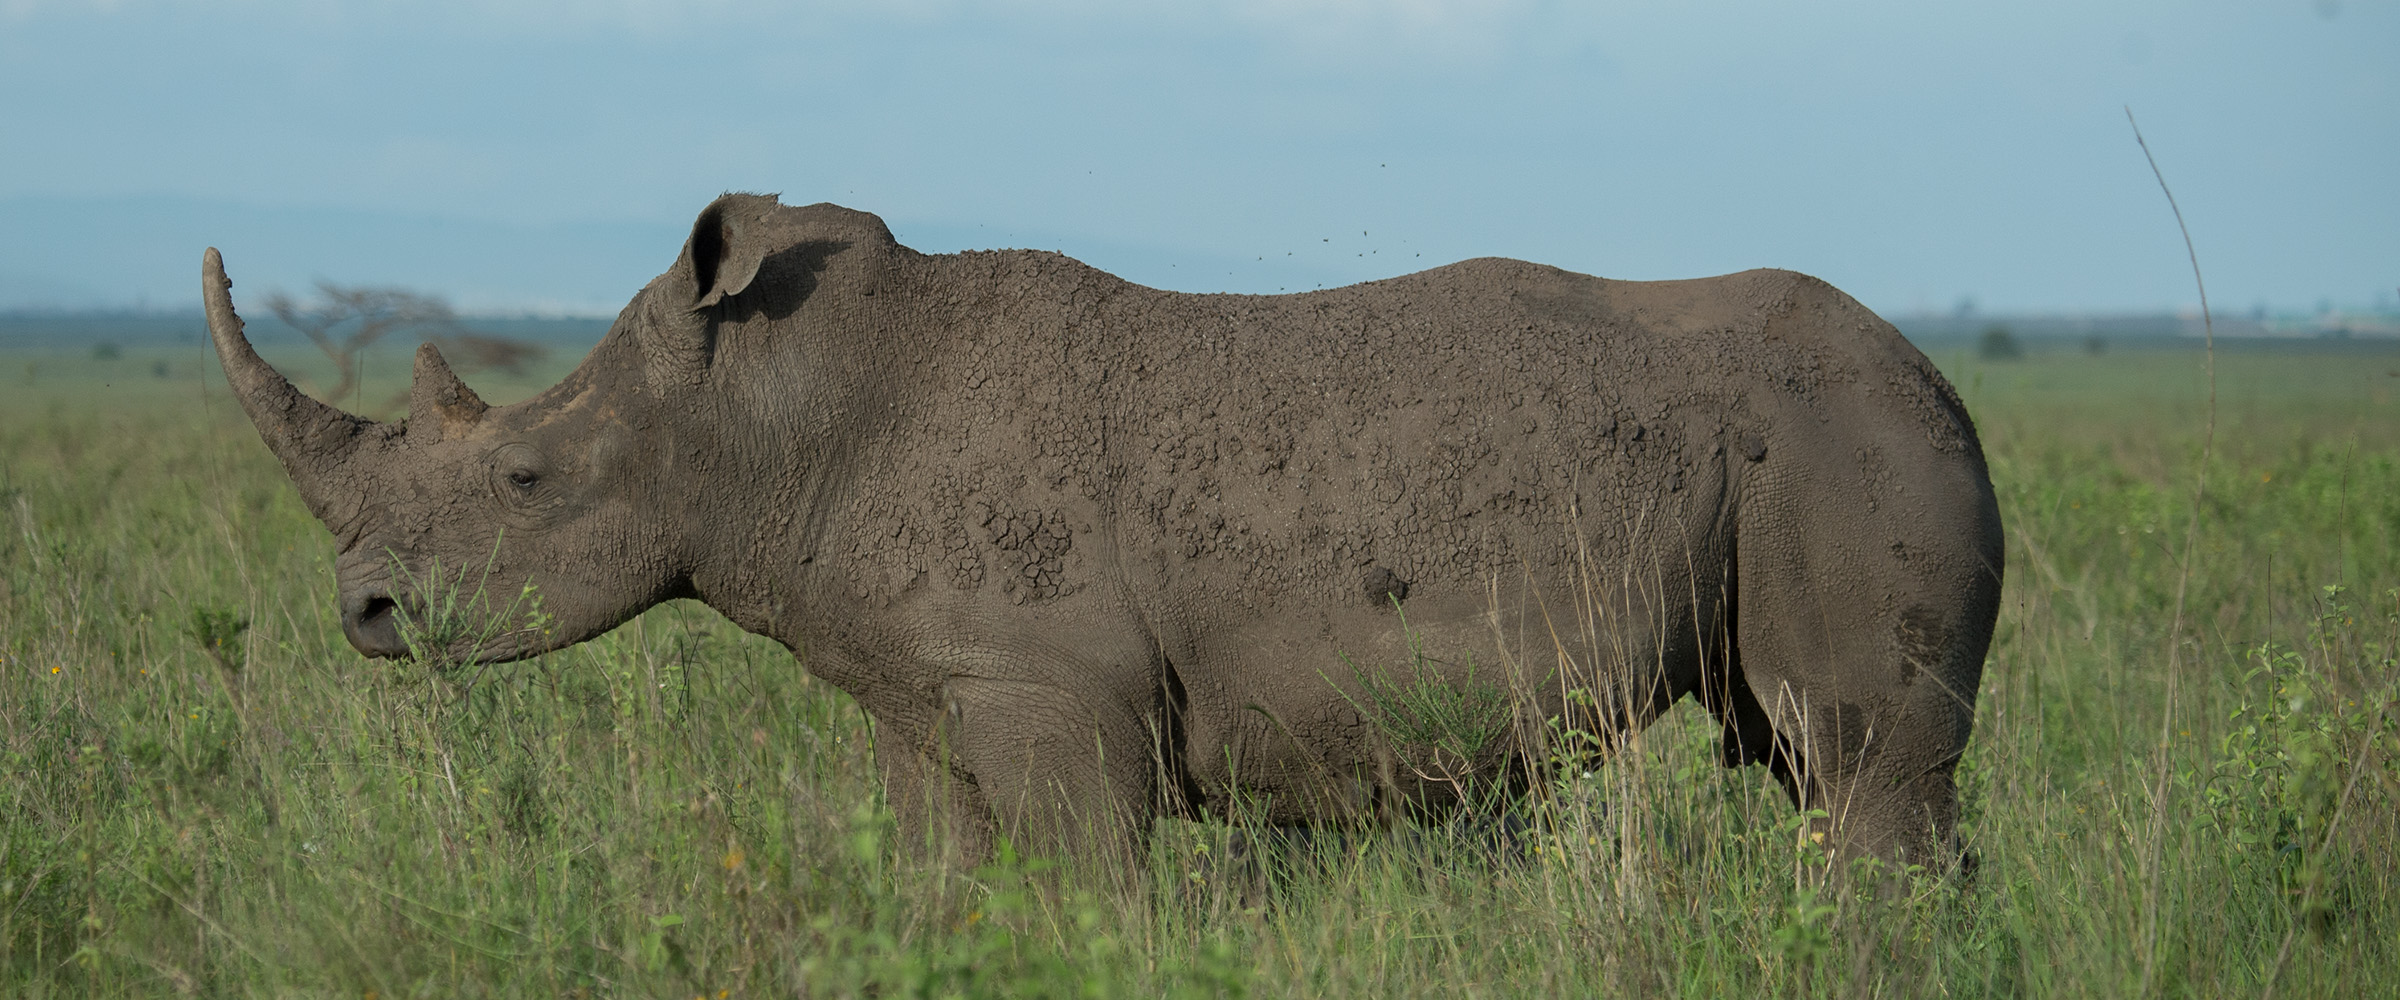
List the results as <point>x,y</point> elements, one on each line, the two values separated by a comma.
<point>204,791</point>
<point>1438,726</point>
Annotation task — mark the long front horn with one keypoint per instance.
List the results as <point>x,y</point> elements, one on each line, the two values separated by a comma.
<point>311,438</point>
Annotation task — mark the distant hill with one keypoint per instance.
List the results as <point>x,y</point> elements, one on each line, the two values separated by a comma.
<point>2139,327</point>
<point>143,254</point>
<point>82,330</point>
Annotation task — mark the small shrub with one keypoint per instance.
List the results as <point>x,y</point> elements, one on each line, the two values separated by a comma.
<point>1998,344</point>
<point>219,633</point>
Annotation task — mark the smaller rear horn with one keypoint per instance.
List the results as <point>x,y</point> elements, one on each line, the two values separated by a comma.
<point>438,401</point>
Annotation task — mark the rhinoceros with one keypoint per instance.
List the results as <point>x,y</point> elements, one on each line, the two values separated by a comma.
<point>1090,553</point>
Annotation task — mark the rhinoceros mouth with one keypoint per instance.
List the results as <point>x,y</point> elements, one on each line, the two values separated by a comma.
<point>392,627</point>
<point>395,626</point>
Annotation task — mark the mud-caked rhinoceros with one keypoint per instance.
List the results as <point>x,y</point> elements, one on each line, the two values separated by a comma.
<point>1091,553</point>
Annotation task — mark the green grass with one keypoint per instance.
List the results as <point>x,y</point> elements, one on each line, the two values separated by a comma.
<point>204,791</point>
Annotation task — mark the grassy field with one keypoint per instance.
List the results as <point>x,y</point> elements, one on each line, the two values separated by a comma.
<point>204,791</point>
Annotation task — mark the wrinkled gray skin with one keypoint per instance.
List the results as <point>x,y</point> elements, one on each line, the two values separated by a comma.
<point>1091,553</point>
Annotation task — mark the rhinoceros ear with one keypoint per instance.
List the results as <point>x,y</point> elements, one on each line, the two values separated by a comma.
<point>728,243</point>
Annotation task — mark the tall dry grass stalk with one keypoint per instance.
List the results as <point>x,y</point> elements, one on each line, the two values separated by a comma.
<point>2160,790</point>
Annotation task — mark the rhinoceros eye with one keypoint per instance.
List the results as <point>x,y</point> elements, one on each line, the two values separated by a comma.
<point>519,474</point>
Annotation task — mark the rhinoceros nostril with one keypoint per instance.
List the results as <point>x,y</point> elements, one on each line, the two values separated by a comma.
<point>373,626</point>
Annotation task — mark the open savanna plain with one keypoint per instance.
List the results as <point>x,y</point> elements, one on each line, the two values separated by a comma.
<point>2183,780</point>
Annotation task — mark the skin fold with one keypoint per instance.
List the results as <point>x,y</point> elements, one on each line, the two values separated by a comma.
<point>1091,553</point>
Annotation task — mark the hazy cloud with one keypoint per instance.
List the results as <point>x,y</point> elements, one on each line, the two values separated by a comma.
<point>1313,25</point>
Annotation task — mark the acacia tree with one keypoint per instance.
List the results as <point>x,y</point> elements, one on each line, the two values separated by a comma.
<point>346,320</point>
<point>469,351</point>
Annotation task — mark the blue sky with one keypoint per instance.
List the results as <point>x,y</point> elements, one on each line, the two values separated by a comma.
<point>549,155</point>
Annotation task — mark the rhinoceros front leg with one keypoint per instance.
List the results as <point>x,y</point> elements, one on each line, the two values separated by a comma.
<point>1063,774</point>
<point>934,800</point>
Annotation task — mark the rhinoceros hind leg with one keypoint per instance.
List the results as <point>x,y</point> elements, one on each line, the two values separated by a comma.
<point>1854,677</point>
